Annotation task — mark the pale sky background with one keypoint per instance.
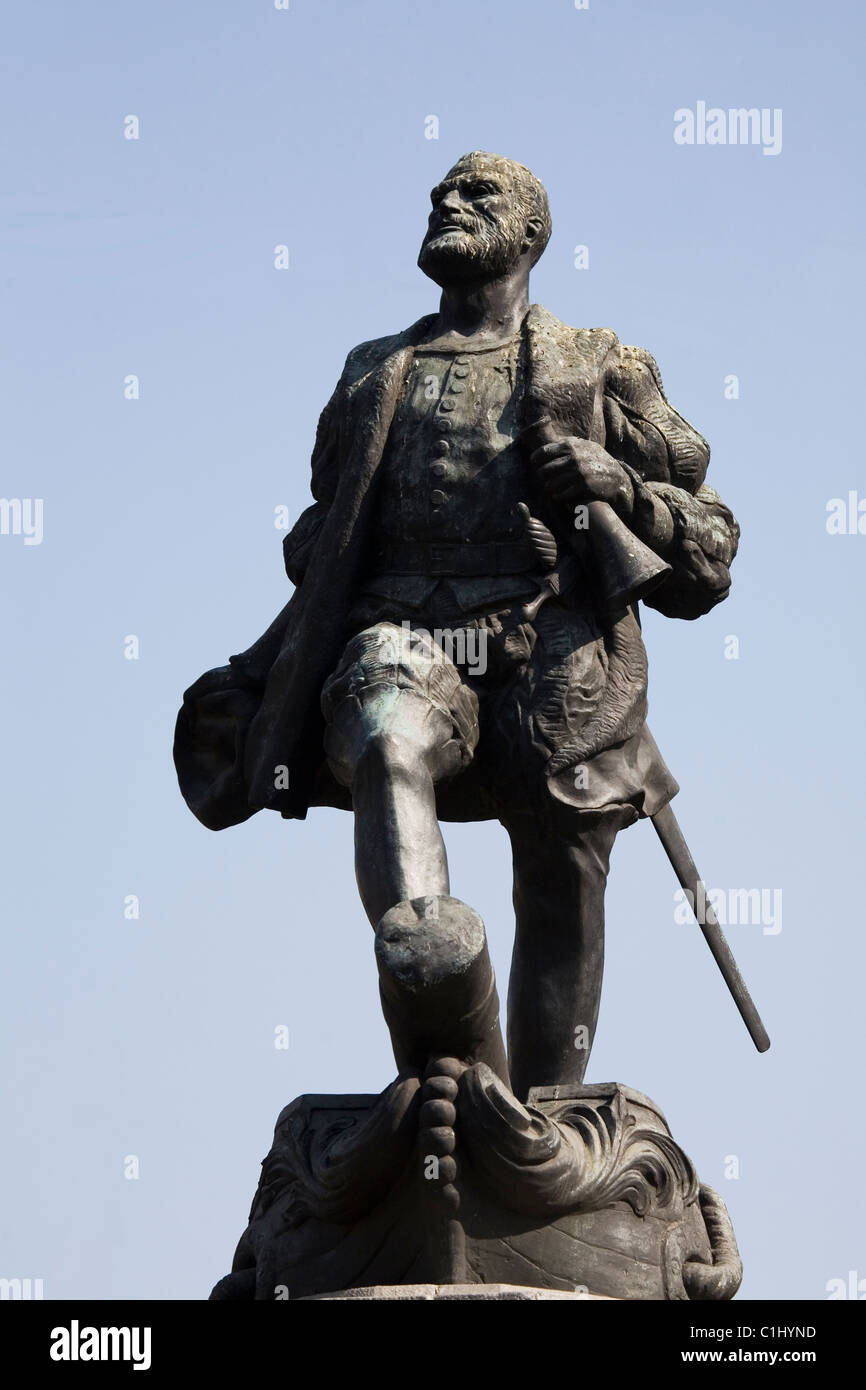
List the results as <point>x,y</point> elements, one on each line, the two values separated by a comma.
<point>155,257</point>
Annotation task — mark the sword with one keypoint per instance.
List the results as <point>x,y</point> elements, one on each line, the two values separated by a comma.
<point>677,851</point>
<point>626,570</point>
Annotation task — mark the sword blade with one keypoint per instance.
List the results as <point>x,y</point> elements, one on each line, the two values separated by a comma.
<point>677,851</point>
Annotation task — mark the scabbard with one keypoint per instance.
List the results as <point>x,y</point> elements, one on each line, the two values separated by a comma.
<point>684,867</point>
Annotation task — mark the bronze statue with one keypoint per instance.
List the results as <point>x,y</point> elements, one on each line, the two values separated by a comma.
<point>494,492</point>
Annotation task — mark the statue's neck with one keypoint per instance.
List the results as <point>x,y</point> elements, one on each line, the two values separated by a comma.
<point>481,314</point>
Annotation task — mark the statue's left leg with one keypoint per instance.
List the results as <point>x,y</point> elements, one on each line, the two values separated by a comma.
<point>556,968</point>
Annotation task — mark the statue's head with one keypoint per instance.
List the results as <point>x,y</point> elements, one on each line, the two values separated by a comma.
<point>488,213</point>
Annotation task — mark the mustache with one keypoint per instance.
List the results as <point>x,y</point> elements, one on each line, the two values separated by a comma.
<point>464,224</point>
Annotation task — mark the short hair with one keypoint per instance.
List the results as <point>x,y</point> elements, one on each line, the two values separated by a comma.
<point>533,192</point>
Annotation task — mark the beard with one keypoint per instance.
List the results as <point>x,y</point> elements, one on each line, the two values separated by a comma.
<point>478,252</point>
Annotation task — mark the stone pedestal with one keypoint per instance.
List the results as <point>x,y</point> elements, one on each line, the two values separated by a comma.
<point>446,1187</point>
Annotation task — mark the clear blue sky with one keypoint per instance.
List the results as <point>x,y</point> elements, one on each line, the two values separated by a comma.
<point>154,257</point>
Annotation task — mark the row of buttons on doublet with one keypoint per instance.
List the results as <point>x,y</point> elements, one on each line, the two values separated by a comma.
<point>441,448</point>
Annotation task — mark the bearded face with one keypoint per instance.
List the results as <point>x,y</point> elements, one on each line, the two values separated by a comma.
<point>478,224</point>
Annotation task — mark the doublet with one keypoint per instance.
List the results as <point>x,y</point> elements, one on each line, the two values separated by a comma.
<point>455,429</point>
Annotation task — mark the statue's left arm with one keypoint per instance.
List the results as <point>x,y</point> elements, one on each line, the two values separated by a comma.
<point>668,505</point>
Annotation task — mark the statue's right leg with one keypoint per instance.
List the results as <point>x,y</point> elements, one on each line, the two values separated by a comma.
<point>398,719</point>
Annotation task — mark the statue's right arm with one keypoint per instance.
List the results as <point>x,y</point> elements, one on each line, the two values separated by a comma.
<point>299,544</point>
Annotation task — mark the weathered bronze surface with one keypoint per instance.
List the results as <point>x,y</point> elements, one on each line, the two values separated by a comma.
<point>494,492</point>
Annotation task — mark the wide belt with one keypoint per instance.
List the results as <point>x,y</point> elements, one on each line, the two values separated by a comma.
<point>468,561</point>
